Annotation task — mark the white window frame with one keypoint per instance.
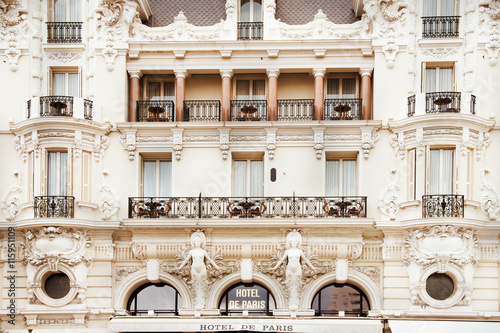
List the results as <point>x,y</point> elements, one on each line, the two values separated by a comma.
<point>66,71</point>
<point>49,177</point>
<point>341,180</point>
<point>441,171</point>
<point>426,66</point>
<point>412,175</point>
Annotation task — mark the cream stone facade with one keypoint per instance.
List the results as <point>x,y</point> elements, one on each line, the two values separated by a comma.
<point>255,174</point>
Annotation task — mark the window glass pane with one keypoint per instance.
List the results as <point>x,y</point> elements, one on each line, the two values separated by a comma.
<point>430,79</point>
<point>447,8</point>
<point>245,11</point>
<point>169,91</point>
<point>158,297</point>
<point>58,84</point>
<point>75,11</point>
<point>332,178</point>
<point>240,183</point>
<point>447,172</point>
<point>243,89</point>
<point>73,84</point>
<point>154,90</point>
<point>430,7</point>
<point>333,88</point>
<point>446,79</point>
<point>259,89</point>
<point>349,177</point>
<point>60,11</point>
<point>434,171</point>
<point>52,174</point>
<point>256,178</point>
<point>63,180</point>
<point>340,297</point>
<point>165,179</point>
<point>257,11</point>
<point>349,88</point>
<point>149,179</point>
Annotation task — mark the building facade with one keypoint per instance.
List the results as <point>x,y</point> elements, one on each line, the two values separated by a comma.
<point>250,165</point>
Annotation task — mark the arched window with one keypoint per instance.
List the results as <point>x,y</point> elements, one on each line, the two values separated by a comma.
<point>247,299</point>
<point>333,298</point>
<point>159,297</point>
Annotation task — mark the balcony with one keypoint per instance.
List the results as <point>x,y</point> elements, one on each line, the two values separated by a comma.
<point>250,30</point>
<point>295,109</point>
<point>248,110</point>
<point>442,205</point>
<point>64,32</point>
<point>203,111</point>
<point>248,207</point>
<point>441,102</point>
<point>155,111</point>
<point>60,106</point>
<point>343,109</point>
<point>54,206</point>
<point>440,26</point>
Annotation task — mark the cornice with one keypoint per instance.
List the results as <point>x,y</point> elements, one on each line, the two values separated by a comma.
<point>441,120</point>
<point>69,223</point>
<point>53,123</point>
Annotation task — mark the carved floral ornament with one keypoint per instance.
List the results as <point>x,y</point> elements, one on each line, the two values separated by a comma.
<point>13,29</point>
<point>11,203</point>
<point>389,200</point>
<point>489,16</point>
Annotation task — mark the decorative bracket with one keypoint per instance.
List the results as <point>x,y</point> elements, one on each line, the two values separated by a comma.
<point>271,141</point>
<point>368,139</point>
<point>108,201</point>
<point>177,141</point>
<point>318,141</point>
<point>11,203</point>
<point>128,142</point>
<point>490,199</point>
<point>388,203</point>
<point>224,142</point>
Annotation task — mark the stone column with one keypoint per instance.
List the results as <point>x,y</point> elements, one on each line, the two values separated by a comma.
<point>226,94</point>
<point>180,94</point>
<point>319,93</point>
<point>366,93</point>
<point>272,98</point>
<point>134,95</point>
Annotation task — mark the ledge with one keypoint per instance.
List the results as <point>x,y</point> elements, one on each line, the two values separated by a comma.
<point>66,222</point>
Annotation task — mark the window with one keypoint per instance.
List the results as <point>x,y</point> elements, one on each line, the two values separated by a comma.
<point>341,88</point>
<point>332,299</point>
<point>57,174</point>
<point>248,178</point>
<point>86,175</point>
<point>340,177</point>
<point>440,178</point>
<point>250,89</point>
<point>161,91</point>
<point>64,83</point>
<point>161,298</point>
<point>66,10</point>
<point>243,298</point>
<point>157,178</point>
<point>439,8</point>
<point>438,79</point>
<point>412,190</point>
<point>251,11</point>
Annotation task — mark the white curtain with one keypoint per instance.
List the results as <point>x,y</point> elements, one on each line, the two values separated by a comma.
<point>169,91</point>
<point>165,179</point>
<point>446,79</point>
<point>434,171</point>
<point>60,10</point>
<point>447,172</point>
<point>259,89</point>
<point>349,88</point>
<point>240,183</point>
<point>63,180</point>
<point>73,84</point>
<point>447,8</point>
<point>332,178</point>
<point>58,83</point>
<point>349,178</point>
<point>245,11</point>
<point>149,178</point>
<point>52,174</point>
<point>256,178</point>
<point>242,89</point>
<point>333,88</point>
<point>75,8</point>
<point>430,80</point>
<point>257,11</point>
<point>430,7</point>
<point>154,91</point>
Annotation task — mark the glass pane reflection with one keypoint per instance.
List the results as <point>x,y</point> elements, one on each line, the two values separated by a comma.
<point>159,297</point>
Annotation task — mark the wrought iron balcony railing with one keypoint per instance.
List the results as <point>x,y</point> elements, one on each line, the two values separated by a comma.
<point>54,206</point>
<point>202,110</point>
<point>295,109</point>
<point>440,26</point>
<point>248,110</point>
<point>411,105</point>
<point>88,105</point>
<point>447,101</point>
<point>64,32</point>
<point>56,106</point>
<point>343,109</point>
<point>156,111</point>
<point>442,205</point>
<point>250,30</point>
<point>246,207</point>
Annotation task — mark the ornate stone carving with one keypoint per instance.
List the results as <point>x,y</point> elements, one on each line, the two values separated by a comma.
<point>440,52</point>
<point>100,144</point>
<point>13,28</point>
<point>368,140</point>
<point>318,142</point>
<point>388,203</point>
<point>20,145</point>
<point>123,272</point>
<point>224,143</point>
<point>177,145</point>
<point>490,199</point>
<point>108,200</point>
<point>372,272</point>
<point>392,10</point>
<point>483,141</point>
<point>397,141</point>
<point>54,245</point>
<point>128,142</point>
<point>489,14</point>
<point>271,142</point>
<point>64,56</point>
<point>11,203</point>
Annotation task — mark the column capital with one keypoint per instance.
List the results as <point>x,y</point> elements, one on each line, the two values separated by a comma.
<point>180,73</point>
<point>319,72</point>
<point>226,73</point>
<point>273,72</point>
<point>366,71</point>
<point>135,74</point>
